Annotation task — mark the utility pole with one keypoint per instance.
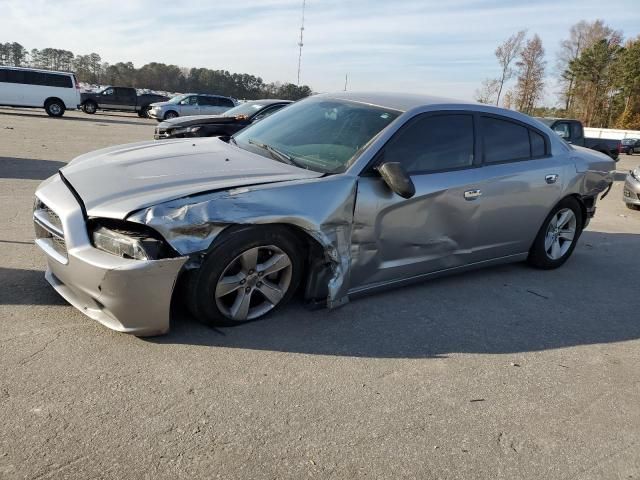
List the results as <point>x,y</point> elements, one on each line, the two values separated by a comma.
<point>300,44</point>
<point>346,79</point>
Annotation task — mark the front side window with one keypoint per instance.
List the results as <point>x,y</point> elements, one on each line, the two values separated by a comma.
<point>108,92</point>
<point>432,143</point>
<point>504,141</point>
<point>318,133</point>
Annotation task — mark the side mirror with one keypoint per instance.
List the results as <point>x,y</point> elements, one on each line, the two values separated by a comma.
<point>397,179</point>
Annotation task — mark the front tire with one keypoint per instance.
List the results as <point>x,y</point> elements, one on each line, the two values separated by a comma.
<point>632,206</point>
<point>558,235</point>
<point>54,108</point>
<point>252,272</point>
<point>170,114</point>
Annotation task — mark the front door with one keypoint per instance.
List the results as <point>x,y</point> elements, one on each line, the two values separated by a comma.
<point>396,238</point>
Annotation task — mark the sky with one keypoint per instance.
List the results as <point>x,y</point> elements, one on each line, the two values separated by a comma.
<point>440,47</point>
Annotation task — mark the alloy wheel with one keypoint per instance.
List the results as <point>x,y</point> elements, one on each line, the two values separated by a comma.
<point>253,283</point>
<point>560,234</point>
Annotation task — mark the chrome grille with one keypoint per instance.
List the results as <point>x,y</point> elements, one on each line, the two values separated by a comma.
<point>49,231</point>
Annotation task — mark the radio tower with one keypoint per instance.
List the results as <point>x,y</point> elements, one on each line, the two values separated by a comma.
<point>300,42</point>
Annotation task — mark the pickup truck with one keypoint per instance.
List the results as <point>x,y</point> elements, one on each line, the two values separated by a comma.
<point>573,132</point>
<point>124,99</point>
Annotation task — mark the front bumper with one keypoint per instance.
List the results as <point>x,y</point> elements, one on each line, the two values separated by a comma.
<point>631,190</point>
<point>157,114</point>
<point>129,296</point>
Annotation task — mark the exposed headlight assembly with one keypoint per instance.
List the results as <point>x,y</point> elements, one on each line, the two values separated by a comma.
<point>186,130</point>
<point>128,240</point>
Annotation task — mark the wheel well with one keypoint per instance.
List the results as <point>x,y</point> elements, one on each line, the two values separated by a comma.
<point>52,99</point>
<point>169,111</point>
<point>583,207</point>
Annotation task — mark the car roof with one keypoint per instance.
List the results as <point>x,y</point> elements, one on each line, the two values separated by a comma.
<point>28,69</point>
<point>267,101</point>
<point>396,101</point>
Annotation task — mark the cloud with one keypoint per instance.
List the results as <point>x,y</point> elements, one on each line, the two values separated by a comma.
<point>443,48</point>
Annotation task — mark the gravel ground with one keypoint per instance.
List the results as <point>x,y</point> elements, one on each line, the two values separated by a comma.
<point>504,373</point>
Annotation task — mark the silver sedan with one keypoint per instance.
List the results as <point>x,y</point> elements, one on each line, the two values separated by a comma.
<point>333,197</point>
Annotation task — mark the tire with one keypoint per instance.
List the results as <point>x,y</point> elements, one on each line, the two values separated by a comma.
<point>144,112</point>
<point>551,247</point>
<point>170,114</point>
<point>632,206</point>
<point>54,107</point>
<point>242,259</point>
<point>89,107</point>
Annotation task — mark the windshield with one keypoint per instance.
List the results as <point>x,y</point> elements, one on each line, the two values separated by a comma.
<point>177,99</point>
<point>319,134</point>
<point>244,109</point>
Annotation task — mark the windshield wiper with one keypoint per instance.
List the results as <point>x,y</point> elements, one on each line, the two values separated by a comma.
<point>277,154</point>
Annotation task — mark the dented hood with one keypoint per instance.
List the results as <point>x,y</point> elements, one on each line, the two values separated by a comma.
<point>118,180</point>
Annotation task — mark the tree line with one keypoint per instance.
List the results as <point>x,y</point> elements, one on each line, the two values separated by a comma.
<point>596,73</point>
<point>154,76</point>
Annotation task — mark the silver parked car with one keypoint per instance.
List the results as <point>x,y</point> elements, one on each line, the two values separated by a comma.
<point>339,194</point>
<point>631,190</point>
<point>190,104</point>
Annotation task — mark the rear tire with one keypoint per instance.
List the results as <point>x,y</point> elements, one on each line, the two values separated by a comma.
<point>144,112</point>
<point>89,107</point>
<point>558,236</point>
<point>54,107</point>
<point>233,285</point>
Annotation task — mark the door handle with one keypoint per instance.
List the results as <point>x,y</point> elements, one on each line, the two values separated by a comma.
<point>551,178</point>
<point>472,194</point>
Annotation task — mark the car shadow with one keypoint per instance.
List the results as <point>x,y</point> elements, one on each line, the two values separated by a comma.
<point>100,118</point>
<point>26,287</point>
<point>28,168</point>
<point>505,309</point>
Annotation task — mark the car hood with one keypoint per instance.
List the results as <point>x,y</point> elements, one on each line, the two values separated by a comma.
<point>196,120</point>
<point>163,104</point>
<point>116,181</point>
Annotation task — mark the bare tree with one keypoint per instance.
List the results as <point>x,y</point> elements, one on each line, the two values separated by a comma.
<point>488,92</point>
<point>506,53</point>
<point>531,66</point>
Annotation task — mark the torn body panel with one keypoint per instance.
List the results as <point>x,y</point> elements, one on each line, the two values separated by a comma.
<point>322,208</point>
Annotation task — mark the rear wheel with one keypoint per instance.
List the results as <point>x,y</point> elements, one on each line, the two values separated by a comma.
<point>251,273</point>
<point>54,108</point>
<point>558,235</point>
<point>89,107</point>
<point>170,114</point>
<point>144,112</point>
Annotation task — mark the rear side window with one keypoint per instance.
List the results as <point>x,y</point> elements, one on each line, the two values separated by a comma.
<point>538,148</point>
<point>432,143</point>
<point>3,75</point>
<point>225,102</point>
<point>506,141</point>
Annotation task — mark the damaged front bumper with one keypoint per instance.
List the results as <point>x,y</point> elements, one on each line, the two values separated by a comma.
<point>129,296</point>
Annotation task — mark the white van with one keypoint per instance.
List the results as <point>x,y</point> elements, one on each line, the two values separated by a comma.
<point>28,87</point>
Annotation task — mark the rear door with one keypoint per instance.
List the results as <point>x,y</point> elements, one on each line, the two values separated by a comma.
<point>519,182</point>
<point>396,238</point>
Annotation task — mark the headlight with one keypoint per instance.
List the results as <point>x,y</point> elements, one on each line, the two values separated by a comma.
<point>185,130</point>
<point>132,241</point>
<point>636,173</point>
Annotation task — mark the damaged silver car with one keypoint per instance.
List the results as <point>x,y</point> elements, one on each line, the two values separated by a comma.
<point>334,196</point>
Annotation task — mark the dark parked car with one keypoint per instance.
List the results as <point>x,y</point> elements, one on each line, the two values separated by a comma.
<point>630,146</point>
<point>124,99</point>
<point>232,121</point>
<point>573,132</point>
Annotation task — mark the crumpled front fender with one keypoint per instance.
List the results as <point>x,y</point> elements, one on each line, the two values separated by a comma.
<point>322,207</point>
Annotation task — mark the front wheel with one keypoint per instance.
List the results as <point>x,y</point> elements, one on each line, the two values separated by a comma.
<point>632,206</point>
<point>170,114</point>
<point>251,273</point>
<point>54,108</point>
<point>558,235</point>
